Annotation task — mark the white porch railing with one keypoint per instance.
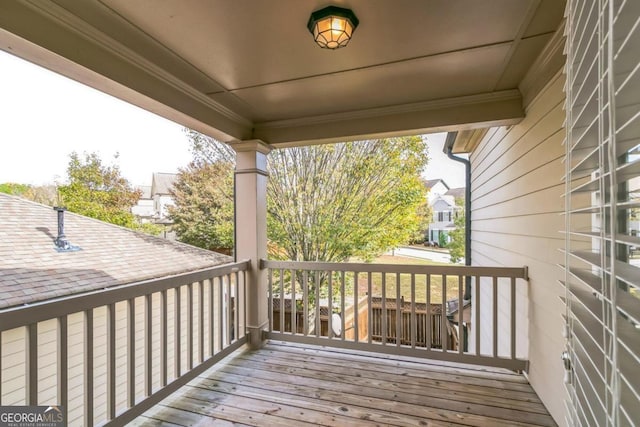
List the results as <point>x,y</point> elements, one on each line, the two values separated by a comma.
<point>107,356</point>
<point>399,309</point>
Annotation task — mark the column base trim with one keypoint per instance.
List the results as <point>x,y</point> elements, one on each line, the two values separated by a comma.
<point>256,336</point>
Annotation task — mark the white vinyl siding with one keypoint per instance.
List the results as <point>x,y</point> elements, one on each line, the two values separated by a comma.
<point>602,200</point>
<point>516,204</point>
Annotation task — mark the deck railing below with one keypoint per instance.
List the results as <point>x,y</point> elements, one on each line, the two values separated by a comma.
<point>409,310</point>
<point>109,355</point>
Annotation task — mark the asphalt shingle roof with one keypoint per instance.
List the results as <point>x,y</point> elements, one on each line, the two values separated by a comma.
<point>162,182</point>
<point>431,182</point>
<point>457,193</point>
<point>32,270</point>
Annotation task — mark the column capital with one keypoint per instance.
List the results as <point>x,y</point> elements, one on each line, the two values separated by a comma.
<point>250,145</point>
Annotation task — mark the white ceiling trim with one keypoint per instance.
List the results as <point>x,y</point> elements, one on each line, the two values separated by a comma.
<point>442,116</point>
<point>424,106</point>
<point>545,66</point>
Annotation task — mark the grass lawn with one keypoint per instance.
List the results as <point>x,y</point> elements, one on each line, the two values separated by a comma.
<point>405,282</point>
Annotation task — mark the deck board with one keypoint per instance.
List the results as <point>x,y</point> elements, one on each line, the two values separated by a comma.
<point>289,384</point>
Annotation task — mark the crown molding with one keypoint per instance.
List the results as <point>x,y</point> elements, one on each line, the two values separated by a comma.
<point>545,66</point>
<point>90,33</point>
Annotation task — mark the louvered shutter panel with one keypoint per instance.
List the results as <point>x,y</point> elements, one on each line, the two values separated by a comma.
<point>602,252</point>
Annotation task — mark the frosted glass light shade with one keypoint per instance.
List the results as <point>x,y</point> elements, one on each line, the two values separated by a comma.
<point>332,27</point>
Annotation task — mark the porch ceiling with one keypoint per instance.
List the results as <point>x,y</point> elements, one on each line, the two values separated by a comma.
<point>250,69</point>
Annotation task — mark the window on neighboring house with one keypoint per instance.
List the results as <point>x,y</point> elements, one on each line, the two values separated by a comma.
<point>440,216</point>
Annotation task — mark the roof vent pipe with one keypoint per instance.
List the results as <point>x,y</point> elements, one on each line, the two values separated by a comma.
<point>62,244</point>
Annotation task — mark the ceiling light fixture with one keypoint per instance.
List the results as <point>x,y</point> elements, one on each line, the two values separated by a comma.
<point>332,27</point>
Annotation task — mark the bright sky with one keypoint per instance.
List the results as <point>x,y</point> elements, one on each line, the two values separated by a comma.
<point>441,166</point>
<point>44,117</point>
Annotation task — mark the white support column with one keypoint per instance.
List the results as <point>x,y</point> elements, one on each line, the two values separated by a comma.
<point>251,230</point>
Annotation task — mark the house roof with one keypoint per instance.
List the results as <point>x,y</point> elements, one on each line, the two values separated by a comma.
<point>162,182</point>
<point>448,200</point>
<point>430,183</point>
<point>457,193</point>
<point>146,191</point>
<point>32,270</point>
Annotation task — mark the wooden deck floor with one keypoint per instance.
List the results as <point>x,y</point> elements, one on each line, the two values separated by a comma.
<point>294,385</point>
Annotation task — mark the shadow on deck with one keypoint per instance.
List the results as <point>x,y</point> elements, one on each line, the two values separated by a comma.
<point>287,384</point>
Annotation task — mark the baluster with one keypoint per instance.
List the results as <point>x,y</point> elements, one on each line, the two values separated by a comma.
<point>356,309</point>
<point>212,322</point>
<point>148,335</point>
<point>88,367</point>
<point>444,335</point>
<point>429,322</point>
<point>330,304</point>
<point>293,319</point>
<point>63,364</point>
<point>220,313</point>
<point>318,321</point>
<point>413,311</point>
<point>384,309</point>
<point>282,306</point>
<point>200,321</point>
<point>111,361</point>
<point>399,312</point>
<point>513,318</point>
<point>369,308</point>
<point>190,326</point>
<point>460,318</point>
<point>31,350</point>
<point>163,338</point>
<point>476,306</point>
<point>177,368</point>
<point>342,305</point>
<point>131,352</point>
<point>495,316</point>
<point>305,303</point>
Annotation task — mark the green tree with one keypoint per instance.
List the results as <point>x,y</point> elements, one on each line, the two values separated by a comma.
<point>14,189</point>
<point>442,239</point>
<point>325,202</point>
<point>100,191</point>
<point>334,202</point>
<point>45,194</point>
<point>203,215</point>
<point>425,216</point>
<point>457,244</point>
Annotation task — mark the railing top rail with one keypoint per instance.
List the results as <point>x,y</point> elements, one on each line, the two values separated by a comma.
<point>452,270</point>
<point>17,316</point>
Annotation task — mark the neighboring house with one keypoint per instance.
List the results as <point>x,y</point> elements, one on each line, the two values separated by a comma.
<point>436,187</point>
<point>161,184</point>
<point>32,271</point>
<point>144,210</point>
<point>153,205</point>
<point>442,201</point>
<point>457,193</point>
